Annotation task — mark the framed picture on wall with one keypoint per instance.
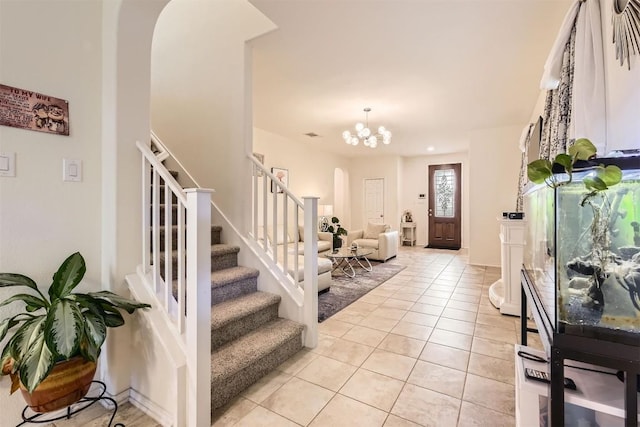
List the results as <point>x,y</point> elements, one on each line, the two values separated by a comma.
<point>282,175</point>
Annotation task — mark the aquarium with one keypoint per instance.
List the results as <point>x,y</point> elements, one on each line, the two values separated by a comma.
<point>583,255</point>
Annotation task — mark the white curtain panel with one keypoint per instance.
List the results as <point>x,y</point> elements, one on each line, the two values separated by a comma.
<point>588,94</point>
<point>553,66</point>
<point>588,78</point>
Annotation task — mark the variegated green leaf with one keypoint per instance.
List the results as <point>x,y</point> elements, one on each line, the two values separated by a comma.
<point>111,315</point>
<point>8,352</point>
<point>119,302</point>
<point>26,335</point>
<point>4,358</point>
<point>68,276</point>
<point>36,364</point>
<point>95,328</point>
<point>7,324</point>
<point>12,279</point>
<point>83,300</point>
<point>113,320</point>
<point>63,328</point>
<point>89,350</point>
<point>29,300</point>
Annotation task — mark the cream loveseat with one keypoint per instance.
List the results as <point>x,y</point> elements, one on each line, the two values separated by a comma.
<point>378,237</point>
<point>325,241</point>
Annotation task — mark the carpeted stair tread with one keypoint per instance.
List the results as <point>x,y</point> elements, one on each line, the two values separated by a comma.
<point>223,249</point>
<point>174,228</point>
<point>241,315</point>
<point>215,235</point>
<point>230,311</point>
<point>217,250</point>
<point>230,275</point>
<point>231,281</point>
<point>252,348</point>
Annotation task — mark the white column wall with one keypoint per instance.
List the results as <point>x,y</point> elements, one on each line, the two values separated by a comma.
<point>306,178</point>
<point>493,180</point>
<point>53,48</point>
<point>199,94</point>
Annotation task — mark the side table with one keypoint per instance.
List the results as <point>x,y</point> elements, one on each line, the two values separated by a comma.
<point>408,233</point>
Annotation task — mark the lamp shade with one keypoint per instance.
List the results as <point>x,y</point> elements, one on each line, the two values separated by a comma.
<point>325,210</point>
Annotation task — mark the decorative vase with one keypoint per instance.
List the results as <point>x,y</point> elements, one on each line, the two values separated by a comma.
<point>67,383</point>
<point>337,242</point>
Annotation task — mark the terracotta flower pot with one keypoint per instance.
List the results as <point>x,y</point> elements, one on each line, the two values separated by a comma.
<point>68,382</point>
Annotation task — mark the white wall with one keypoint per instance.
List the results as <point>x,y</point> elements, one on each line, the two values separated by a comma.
<point>311,171</point>
<point>200,95</point>
<point>494,165</point>
<point>622,91</point>
<point>53,48</point>
<point>386,167</point>
<point>415,181</point>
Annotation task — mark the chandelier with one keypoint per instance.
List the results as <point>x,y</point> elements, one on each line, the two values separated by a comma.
<point>363,133</point>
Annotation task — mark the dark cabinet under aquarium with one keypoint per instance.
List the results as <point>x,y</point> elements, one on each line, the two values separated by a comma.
<point>581,276</point>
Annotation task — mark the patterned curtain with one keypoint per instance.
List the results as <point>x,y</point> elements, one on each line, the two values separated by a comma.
<point>556,119</point>
<point>523,179</point>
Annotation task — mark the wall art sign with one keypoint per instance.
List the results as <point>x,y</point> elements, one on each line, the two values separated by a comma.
<point>26,109</point>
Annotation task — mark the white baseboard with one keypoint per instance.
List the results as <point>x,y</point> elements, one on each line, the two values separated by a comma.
<point>151,409</point>
<point>120,398</point>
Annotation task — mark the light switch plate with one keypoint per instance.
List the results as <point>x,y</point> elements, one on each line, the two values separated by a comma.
<point>71,170</point>
<point>8,164</point>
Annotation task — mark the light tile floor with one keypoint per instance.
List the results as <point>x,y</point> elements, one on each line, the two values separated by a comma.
<point>425,348</point>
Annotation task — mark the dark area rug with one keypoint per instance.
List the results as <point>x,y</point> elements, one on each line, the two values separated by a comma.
<point>345,290</point>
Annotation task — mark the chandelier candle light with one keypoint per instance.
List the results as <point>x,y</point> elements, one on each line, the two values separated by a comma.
<point>363,133</point>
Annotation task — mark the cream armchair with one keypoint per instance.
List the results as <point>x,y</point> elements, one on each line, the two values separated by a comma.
<point>378,237</point>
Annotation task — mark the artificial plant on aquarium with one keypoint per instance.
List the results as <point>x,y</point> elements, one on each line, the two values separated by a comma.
<point>600,274</point>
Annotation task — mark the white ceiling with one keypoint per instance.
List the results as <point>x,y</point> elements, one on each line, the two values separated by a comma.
<point>431,70</point>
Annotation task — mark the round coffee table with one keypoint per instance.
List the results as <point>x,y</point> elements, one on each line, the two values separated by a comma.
<point>346,258</point>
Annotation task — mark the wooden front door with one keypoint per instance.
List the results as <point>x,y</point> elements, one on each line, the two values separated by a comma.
<point>444,206</point>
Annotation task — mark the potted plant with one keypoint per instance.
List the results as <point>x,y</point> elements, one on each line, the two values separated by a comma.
<point>54,342</point>
<point>336,229</point>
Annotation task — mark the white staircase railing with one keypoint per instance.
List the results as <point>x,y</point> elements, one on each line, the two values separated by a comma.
<point>276,223</point>
<point>176,225</point>
<point>176,262</point>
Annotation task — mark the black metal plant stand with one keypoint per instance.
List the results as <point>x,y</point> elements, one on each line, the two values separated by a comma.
<point>79,406</point>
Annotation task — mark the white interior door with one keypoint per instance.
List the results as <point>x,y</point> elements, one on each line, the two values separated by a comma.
<point>374,200</point>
